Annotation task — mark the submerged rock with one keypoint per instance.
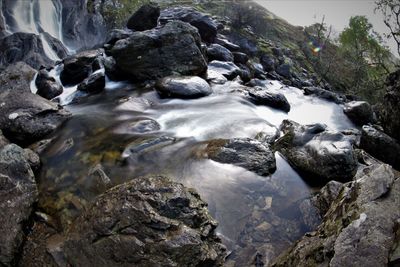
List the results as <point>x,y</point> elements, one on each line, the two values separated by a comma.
<point>243,152</point>
<point>145,18</point>
<point>218,52</point>
<point>360,112</point>
<point>317,151</point>
<point>18,192</point>
<point>265,96</point>
<point>183,87</point>
<point>47,86</point>
<point>172,49</point>
<point>148,221</point>
<point>359,228</point>
<point>380,145</point>
<point>206,26</point>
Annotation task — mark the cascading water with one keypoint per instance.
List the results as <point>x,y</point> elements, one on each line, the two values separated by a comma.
<point>38,17</point>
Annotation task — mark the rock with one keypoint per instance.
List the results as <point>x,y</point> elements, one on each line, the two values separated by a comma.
<point>268,63</point>
<point>79,66</point>
<point>148,221</point>
<point>257,70</point>
<point>239,57</point>
<point>26,47</point>
<point>47,86</point>
<point>268,97</point>
<point>95,83</point>
<point>17,77</point>
<point>390,106</point>
<point>137,148</point>
<point>56,45</point>
<point>218,52</point>
<point>227,69</point>
<point>26,117</point>
<point>18,192</point>
<point>33,159</point>
<point>243,152</point>
<point>3,140</point>
<point>140,126</point>
<point>145,18</point>
<point>359,228</point>
<point>172,49</point>
<point>284,70</point>
<point>324,94</point>
<point>323,155</point>
<point>380,145</point>
<point>206,26</point>
<point>117,34</point>
<point>360,112</point>
<point>183,87</point>
<point>221,40</point>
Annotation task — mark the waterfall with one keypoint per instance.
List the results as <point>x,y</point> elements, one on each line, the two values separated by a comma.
<point>37,16</point>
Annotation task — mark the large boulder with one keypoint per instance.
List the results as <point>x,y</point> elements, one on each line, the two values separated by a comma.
<point>228,69</point>
<point>18,192</point>
<point>268,97</point>
<point>183,87</point>
<point>206,26</point>
<point>218,52</point>
<point>26,47</point>
<point>360,227</point>
<point>145,18</point>
<point>380,145</point>
<point>148,221</point>
<point>17,77</point>
<point>26,117</point>
<point>243,152</point>
<point>360,112</point>
<point>321,154</point>
<point>47,86</point>
<point>172,49</point>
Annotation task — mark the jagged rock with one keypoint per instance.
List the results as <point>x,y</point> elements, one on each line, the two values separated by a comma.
<point>390,106</point>
<point>360,112</point>
<point>26,47</point>
<point>268,97</point>
<point>17,77</point>
<point>47,86</point>
<point>323,93</point>
<point>380,145</point>
<point>174,48</point>
<point>359,228</point>
<point>26,117</point>
<point>324,198</point>
<point>206,26</point>
<point>322,154</point>
<point>18,192</point>
<point>227,69</point>
<point>218,52</point>
<point>145,18</point>
<point>183,87</point>
<point>95,83</point>
<point>148,221</point>
<point>239,57</point>
<point>247,153</point>
<point>79,66</point>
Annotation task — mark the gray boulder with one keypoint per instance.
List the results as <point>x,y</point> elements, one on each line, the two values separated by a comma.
<point>360,112</point>
<point>323,155</point>
<point>323,94</point>
<point>380,145</point>
<point>239,57</point>
<point>265,96</point>
<point>360,227</point>
<point>247,153</point>
<point>183,87</point>
<point>172,49</point>
<point>47,86</point>
<point>145,18</point>
<point>206,26</point>
<point>17,77</point>
<point>218,52</point>
<point>284,70</point>
<point>228,69</point>
<point>18,192</point>
<point>148,221</point>
<point>95,83</point>
<point>221,40</point>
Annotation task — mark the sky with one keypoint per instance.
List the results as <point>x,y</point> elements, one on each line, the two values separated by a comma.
<point>337,13</point>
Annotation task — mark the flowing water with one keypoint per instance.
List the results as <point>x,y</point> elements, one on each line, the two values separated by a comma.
<point>130,132</point>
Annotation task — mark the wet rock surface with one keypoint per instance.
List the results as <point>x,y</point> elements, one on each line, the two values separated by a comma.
<point>323,93</point>
<point>183,87</point>
<point>172,49</point>
<point>145,18</point>
<point>380,145</point>
<point>227,69</point>
<point>206,26</point>
<point>154,221</point>
<point>18,192</point>
<point>317,151</point>
<point>47,86</point>
<point>218,52</point>
<point>243,152</point>
<point>264,96</point>
<point>359,227</point>
<point>360,112</point>
<point>95,83</point>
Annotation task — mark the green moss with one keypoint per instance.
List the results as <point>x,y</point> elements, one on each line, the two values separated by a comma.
<point>117,13</point>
